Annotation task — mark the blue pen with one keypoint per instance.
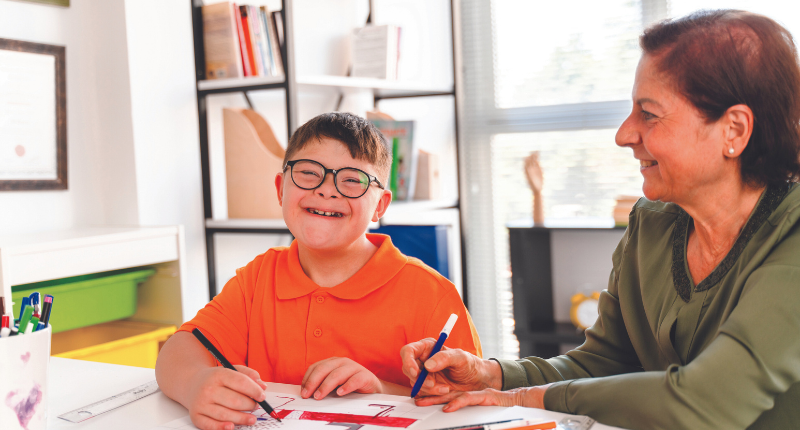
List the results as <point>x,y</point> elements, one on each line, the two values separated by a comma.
<point>436,348</point>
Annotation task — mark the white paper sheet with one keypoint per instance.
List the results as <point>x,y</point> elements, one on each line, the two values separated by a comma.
<point>352,412</point>
<point>27,116</point>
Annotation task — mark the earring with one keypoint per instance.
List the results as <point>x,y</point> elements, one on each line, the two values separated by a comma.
<point>730,151</point>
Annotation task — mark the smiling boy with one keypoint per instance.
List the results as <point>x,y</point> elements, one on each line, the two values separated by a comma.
<point>331,310</point>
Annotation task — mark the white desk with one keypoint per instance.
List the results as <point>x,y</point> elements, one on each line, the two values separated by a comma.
<point>75,383</point>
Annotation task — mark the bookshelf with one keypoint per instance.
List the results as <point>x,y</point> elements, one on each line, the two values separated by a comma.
<point>311,56</point>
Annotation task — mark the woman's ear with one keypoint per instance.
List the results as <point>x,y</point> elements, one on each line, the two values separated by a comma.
<point>738,122</point>
<point>279,187</point>
<point>383,204</point>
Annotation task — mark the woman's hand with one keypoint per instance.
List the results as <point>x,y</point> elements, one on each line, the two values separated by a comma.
<point>531,397</point>
<point>216,397</point>
<point>449,370</point>
<point>324,376</point>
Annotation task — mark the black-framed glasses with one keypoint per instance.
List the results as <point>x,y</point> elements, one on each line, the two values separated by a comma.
<point>349,181</point>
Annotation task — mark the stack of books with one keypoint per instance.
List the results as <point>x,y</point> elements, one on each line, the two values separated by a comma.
<point>376,52</point>
<point>242,41</point>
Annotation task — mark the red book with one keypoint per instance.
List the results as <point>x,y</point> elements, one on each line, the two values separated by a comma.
<point>246,30</point>
<point>242,46</point>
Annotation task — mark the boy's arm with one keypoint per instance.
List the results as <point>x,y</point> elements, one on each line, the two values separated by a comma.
<point>188,374</point>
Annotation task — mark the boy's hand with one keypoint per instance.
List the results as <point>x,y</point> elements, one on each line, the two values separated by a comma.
<point>324,376</point>
<point>216,397</point>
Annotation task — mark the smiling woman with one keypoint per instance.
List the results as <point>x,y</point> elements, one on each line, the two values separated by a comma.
<point>698,327</point>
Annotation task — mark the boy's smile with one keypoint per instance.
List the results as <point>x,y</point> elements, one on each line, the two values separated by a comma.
<point>323,219</point>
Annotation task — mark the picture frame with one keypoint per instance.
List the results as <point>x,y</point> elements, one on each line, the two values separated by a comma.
<point>33,108</point>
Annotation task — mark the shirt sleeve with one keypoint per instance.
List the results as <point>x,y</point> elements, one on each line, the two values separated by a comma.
<point>606,351</point>
<point>225,320</point>
<point>737,378</point>
<point>463,335</point>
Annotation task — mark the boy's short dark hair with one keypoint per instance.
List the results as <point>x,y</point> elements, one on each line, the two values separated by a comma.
<point>361,137</point>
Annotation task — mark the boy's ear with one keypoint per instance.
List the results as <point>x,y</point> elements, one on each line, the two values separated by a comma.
<point>279,187</point>
<point>383,204</point>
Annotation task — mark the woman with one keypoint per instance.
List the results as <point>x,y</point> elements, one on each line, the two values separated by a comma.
<point>700,325</point>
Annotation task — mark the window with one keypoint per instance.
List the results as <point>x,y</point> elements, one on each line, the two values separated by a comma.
<point>554,77</point>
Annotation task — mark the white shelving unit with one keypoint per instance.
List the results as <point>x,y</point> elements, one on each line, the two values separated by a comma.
<point>60,254</point>
<point>315,60</point>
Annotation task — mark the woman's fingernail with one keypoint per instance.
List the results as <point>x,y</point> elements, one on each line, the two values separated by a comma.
<point>430,363</point>
<point>443,390</point>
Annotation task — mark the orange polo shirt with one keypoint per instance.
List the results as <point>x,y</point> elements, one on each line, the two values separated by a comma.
<point>273,318</point>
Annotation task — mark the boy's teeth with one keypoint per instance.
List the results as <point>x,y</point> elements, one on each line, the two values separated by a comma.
<point>333,214</point>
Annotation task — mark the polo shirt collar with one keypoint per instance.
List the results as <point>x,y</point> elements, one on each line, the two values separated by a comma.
<point>292,281</point>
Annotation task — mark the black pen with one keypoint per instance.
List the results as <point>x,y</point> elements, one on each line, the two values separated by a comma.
<point>227,364</point>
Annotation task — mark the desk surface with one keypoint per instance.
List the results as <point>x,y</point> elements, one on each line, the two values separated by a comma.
<point>75,383</point>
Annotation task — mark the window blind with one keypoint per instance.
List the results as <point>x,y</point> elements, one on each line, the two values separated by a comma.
<point>549,76</point>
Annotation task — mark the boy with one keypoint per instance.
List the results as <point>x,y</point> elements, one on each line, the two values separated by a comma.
<point>334,308</point>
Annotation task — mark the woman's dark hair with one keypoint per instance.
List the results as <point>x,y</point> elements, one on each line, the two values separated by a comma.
<point>721,58</point>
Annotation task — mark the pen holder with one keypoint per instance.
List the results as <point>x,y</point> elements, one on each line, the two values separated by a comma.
<point>24,360</point>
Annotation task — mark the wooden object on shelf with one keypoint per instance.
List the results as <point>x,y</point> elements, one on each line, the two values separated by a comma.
<point>428,184</point>
<point>253,157</point>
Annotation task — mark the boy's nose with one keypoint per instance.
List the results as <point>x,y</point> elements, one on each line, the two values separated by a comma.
<point>328,187</point>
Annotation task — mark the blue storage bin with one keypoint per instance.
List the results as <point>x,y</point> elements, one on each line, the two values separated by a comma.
<point>426,242</point>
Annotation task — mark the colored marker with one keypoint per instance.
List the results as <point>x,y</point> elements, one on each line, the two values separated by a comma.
<point>524,425</point>
<point>5,328</point>
<point>436,348</point>
<point>47,308</point>
<point>32,326</point>
<point>481,426</point>
<point>35,299</point>
<point>25,303</point>
<point>224,361</point>
<point>25,321</point>
<point>2,306</point>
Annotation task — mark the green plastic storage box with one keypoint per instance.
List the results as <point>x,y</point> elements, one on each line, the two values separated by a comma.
<point>86,300</point>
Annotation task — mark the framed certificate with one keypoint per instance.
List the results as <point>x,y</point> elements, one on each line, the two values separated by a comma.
<point>33,116</point>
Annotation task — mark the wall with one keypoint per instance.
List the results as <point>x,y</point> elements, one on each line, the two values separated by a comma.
<point>132,135</point>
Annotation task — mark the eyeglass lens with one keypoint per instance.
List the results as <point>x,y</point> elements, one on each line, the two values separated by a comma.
<point>350,182</point>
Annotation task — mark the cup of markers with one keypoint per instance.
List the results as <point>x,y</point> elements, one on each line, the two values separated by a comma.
<point>24,358</point>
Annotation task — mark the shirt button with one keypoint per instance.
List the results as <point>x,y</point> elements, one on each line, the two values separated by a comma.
<point>320,299</point>
<point>317,332</point>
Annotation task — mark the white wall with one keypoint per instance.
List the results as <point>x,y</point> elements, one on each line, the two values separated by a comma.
<point>132,135</point>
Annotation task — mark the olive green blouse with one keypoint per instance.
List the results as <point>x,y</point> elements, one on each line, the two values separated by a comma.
<point>668,354</point>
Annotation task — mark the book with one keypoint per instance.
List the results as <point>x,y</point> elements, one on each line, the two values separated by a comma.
<point>242,45</point>
<point>376,52</point>
<point>254,24</point>
<point>277,22</point>
<point>275,41</point>
<point>221,42</point>
<point>247,40</point>
<point>400,135</point>
<point>428,186</point>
